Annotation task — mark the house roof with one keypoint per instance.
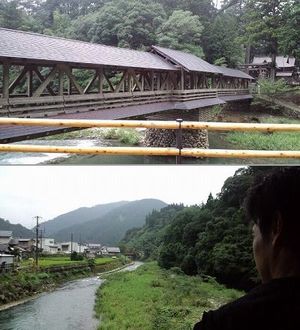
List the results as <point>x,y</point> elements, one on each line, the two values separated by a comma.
<point>190,62</point>
<point>3,247</point>
<point>113,249</point>
<point>233,73</point>
<point>281,61</point>
<point>5,233</point>
<point>32,46</point>
<point>284,74</point>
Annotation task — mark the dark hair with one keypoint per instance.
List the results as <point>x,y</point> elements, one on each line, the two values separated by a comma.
<point>274,193</point>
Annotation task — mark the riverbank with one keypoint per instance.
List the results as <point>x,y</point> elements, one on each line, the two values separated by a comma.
<point>154,298</point>
<point>20,287</point>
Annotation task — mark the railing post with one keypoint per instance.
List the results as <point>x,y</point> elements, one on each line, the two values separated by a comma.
<point>179,140</point>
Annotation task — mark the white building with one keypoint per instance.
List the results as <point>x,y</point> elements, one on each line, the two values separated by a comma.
<point>48,245</point>
<point>68,247</point>
<point>6,262</point>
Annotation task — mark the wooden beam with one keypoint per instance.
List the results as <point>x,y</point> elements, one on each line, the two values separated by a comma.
<point>108,81</point>
<point>29,82</point>
<point>18,79</point>
<point>121,82</point>
<point>69,73</point>
<point>90,83</point>
<point>100,80</point>
<point>45,83</point>
<point>5,87</point>
<point>61,82</point>
<point>42,79</point>
<point>134,77</point>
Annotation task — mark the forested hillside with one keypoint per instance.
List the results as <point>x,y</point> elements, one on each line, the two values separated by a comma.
<point>17,229</point>
<point>211,238</point>
<point>108,228</point>
<point>77,217</point>
<point>227,36</point>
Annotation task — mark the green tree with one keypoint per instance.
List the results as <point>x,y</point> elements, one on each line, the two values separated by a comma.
<point>130,23</point>
<point>264,24</point>
<point>182,31</point>
<point>220,41</point>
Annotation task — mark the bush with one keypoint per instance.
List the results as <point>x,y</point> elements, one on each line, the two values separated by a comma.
<point>269,87</point>
<point>75,256</point>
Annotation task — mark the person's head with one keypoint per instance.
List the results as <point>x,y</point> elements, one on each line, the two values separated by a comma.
<point>273,204</point>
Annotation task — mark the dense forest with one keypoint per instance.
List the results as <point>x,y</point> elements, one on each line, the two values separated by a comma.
<point>226,36</point>
<point>212,239</point>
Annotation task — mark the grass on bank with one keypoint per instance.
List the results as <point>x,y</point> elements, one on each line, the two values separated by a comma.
<point>63,261</point>
<point>153,298</point>
<point>123,135</point>
<point>267,141</point>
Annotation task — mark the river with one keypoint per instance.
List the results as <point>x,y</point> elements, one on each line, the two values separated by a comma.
<point>69,307</point>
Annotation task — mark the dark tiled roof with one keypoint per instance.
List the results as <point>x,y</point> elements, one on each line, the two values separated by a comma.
<point>189,61</point>
<point>233,73</point>
<point>27,45</point>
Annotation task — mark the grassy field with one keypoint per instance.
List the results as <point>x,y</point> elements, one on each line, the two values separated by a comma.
<point>153,298</point>
<point>267,141</point>
<point>62,261</point>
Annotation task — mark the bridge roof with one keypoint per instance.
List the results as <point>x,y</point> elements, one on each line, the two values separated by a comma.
<point>193,63</point>
<point>22,45</point>
<point>188,61</point>
<point>233,73</point>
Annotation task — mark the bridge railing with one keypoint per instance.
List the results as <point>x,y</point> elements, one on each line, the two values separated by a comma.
<point>177,151</point>
<point>54,105</point>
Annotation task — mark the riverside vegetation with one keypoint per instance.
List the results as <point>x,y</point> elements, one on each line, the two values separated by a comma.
<point>27,281</point>
<point>155,298</point>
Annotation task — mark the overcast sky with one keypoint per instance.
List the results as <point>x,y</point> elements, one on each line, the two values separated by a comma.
<point>48,191</point>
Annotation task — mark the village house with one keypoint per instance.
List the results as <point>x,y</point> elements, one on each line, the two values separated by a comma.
<point>110,251</point>
<point>286,68</point>
<point>69,247</point>
<point>6,262</point>
<point>5,236</point>
<point>26,243</point>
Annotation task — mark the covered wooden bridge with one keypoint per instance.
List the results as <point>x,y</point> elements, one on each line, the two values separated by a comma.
<point>45,76</point>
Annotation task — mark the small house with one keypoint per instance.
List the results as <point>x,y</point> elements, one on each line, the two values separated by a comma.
<point>6,262</point>
<point>5,236</point>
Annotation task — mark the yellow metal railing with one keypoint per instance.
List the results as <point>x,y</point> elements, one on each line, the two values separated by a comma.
<point>175,125</point>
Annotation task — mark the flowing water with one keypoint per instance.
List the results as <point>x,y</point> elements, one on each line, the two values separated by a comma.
<point>69,307</point>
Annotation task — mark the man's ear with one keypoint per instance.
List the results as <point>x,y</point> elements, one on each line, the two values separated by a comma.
<point>277,229</point>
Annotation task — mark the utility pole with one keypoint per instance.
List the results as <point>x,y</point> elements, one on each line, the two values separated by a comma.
<point>36,241</point>
<point>71,243</point>
<point>80,243</point>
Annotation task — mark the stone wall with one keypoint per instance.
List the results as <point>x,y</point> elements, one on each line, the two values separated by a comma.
<point>190,138</point>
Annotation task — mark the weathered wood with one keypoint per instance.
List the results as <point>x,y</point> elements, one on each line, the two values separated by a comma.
<point>5,87</point>
<point>18,78</point>
<point>29,82</point>
<point>69,73</point>
<point>45,83</point>
<point>108,81</point>
<point>42,79</point>
<point>121,82</point>
<point>90,83</point>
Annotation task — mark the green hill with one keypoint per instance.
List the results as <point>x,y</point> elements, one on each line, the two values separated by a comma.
<point>77,217</point>
<point>112,226</point>
<point>18,230</point>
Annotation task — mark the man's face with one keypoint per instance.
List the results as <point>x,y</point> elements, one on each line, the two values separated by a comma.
<point>262,254</point>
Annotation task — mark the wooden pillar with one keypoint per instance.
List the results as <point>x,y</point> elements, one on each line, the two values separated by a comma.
<point>61,82</point>
<point>29,82</point>
<point>152,80</point>
<point>158,81</point>
<point>143,81</point>
<point>100,80</point>
<point>5,87</point>
<point>182,80</point>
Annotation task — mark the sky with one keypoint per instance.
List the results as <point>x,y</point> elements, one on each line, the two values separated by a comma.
<point>48,191</point>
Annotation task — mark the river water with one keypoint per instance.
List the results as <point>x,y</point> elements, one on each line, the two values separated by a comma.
<point>69,307</point>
